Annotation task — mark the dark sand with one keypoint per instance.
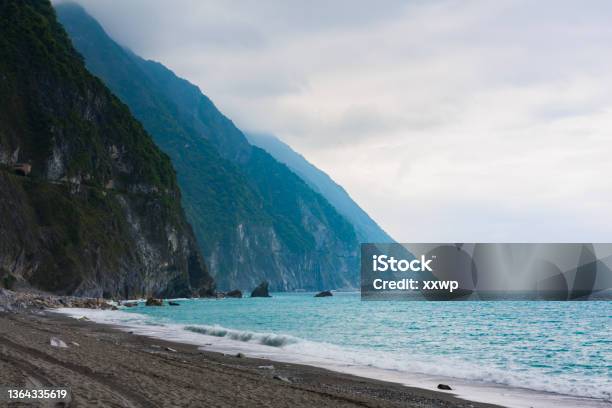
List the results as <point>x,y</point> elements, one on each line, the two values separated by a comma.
<point>111,368</point>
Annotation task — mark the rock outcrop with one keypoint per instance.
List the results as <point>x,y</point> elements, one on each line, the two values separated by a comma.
<point>154,302</point>
<point>261,290</point>
<point>325,293</point>
<point>234,294</point>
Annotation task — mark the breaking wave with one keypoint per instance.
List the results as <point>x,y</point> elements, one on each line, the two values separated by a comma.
<point>266,339</point>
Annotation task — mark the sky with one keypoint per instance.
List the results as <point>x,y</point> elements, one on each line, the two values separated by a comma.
<point>447,121</point>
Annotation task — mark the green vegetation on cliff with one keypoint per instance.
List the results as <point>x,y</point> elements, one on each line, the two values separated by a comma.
<point>366,228</point>
<point>255,219</point>
<point>100,214</point>
<point>46,90</point>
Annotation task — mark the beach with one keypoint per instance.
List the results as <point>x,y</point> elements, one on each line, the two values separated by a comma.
<point>104,366</point>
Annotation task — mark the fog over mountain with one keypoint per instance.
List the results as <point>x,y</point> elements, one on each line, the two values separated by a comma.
<point>254,218</point>
<point>366,228</point>
<point>446,121</point>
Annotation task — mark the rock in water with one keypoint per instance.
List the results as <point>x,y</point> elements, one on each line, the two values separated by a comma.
<point>154,302</point>
<point>444,387</point>
<point>325,293</point>
<point>171,303</point>
<point>55,342</point>
<point>234,294</point>
<point>261,290</point>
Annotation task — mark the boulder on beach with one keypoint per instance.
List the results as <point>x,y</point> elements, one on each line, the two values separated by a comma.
<point>154,302</point>
<point>89,303</point>
<point>234,293</point>
<point>261,290</point>
<point>55,342</point>
<point>325,293</point>
<point>444,387</point>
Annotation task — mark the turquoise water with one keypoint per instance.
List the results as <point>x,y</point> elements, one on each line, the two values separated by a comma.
<point>563,347</point>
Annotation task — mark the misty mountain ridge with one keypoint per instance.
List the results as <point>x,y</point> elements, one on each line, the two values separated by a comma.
<point>368,231</point>
<point>254,218</point>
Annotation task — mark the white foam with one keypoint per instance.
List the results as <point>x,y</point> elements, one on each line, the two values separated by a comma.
<point>471,382</point>
<point>267,339</point>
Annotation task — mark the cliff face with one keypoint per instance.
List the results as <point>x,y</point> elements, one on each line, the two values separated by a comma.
<point>366,228</point>
<point>254,218</point>
<point>100,213</point>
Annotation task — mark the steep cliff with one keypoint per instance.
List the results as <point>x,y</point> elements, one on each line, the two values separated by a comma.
<point>255,219</point>
<point>366,228</point>
<point>100,212</point>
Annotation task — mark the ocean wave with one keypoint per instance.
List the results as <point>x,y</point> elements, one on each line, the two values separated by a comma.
<point>266,339</point>
<point>342,358</point>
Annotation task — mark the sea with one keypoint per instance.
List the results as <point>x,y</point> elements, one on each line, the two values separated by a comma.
<point>513,353</point>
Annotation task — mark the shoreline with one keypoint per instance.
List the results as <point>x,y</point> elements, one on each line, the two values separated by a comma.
<point>112,367</point>
<point>465,390</point>
<point>104,317</point>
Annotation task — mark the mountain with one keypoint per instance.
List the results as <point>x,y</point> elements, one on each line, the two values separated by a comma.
<point>100,212</point>
<point>254,218</point>
<point>366,228</point>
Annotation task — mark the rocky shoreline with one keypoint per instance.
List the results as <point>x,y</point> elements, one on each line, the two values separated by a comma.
<point>32,299</point>
<point>20,301</point>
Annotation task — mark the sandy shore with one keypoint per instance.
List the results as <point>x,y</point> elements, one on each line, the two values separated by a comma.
<point>107,367</point>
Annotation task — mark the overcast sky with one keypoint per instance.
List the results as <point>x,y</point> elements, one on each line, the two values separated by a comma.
<point>459,121</point>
